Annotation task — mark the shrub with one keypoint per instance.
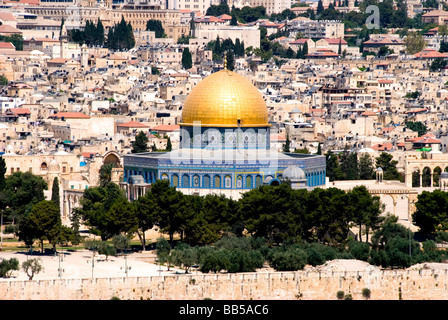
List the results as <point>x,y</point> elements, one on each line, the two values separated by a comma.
<point>366,293</point>
<point>290,259</point>
<point>7,266</point>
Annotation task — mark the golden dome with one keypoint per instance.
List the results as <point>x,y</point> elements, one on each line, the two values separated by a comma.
<point>225,99</point>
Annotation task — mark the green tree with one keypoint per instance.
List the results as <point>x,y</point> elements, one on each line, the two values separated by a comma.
<point>333,168</point>
<point>320,7</point>
<point>121,242</point>
<point>107,212</point>
<point>106,249</point>
<point>44,223</point>
<point>366,170</point>
<point>287,144</point>
<point>7,266</point>
<point>55,192</point>
<point>437,64</point>
<point>230,60</point>
<point>167,202</point>
<point>418,126</point>
<point>22,190</point>
<point>185,256</point>
<point>414,43</point>
<point>15,39</point>
<point>99,33</point>
<point>146,216</point>
<point>218,10</point>
<point>388,165</point>
<point>156,26</point>
<point>120,36</point>
<point>106,174</point>
<point>384,51</point>
<point>120,218</point>
<point>349,165</point>
<point>140,143</point>
<point>3,80</point>
<point>367,210</point>
<point>289,259</point>
<point>187,62</point>
<point>432,211</point>
<point>272,212</point>
<point>443,46</point>
<point>32,267</point>
<point>234,21</point>
<point>75,219</point>
<point>163,248</point>
<point>329,215</point>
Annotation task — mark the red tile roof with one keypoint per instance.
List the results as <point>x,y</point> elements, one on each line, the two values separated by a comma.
<point>58,60</point>
<point>335,41</point>
<point>299,41</point>
<point>166,127</point>
<point>6,45</point>
<point>133,124</point>
<point>430,54</point>
<point>225,17</point>
<point>18,111</point>
<point>9,29</point>
<point>70,115</point>
<point>87,154</point>
<point>7,16</point>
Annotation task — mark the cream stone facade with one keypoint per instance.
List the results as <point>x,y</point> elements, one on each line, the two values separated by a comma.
<point>74,172</point>
<point>410,284</point>
<point>171,19</point>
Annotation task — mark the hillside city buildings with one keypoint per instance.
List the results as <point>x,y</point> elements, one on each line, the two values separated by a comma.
<point>69,108</point>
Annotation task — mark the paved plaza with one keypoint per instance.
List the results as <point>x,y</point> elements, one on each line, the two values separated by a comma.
<point>78,265</point>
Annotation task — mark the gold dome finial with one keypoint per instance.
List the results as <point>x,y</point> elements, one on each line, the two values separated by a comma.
<point>225,62</point>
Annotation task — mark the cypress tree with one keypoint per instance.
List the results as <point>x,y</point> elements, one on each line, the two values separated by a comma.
<point>305,50</point>
<point>230,60</point>
<point>169,146</point>
<point>187,62</point>
<point>299,54</point>
<point>55,192</point>
<point>234,21</point>
<point>320,7</point>
<point>237,48</point>
<point>99,33</point>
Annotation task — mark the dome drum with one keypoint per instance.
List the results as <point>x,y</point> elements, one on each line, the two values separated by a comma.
<point>225,138</point>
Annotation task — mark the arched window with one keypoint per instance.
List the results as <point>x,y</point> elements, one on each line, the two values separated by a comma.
<point>217,182</point>
<point>196,181</point>
<point>239,181</point>
<point>185,181</point>
<point>164,176</point>
<point>228,182</point>
<point>249,182</point>
<point>206,181</point>
<point>258,181</point>
<point>175,180</point>
<point>43,166</point>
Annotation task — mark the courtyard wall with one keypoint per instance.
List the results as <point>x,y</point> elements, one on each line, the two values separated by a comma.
<point>384,285</point>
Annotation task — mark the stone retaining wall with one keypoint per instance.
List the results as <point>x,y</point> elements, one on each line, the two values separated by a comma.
<point>384,285</point>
